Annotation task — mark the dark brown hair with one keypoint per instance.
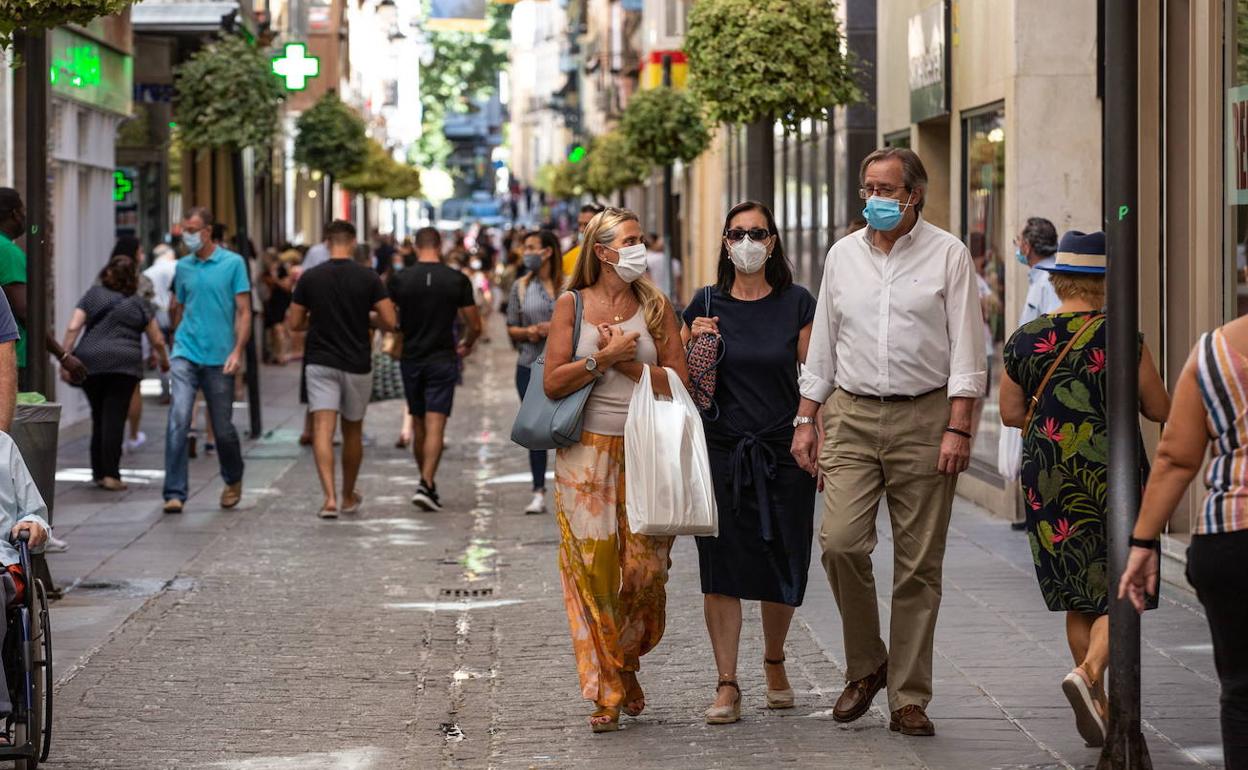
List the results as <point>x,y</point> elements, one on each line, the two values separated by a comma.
<point>119,275</point>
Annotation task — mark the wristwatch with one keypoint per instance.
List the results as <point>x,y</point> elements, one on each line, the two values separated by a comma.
<point>591,366</point>
<point>799,420</point>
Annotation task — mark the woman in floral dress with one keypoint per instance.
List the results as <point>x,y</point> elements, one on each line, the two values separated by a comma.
<point>1065,459</point>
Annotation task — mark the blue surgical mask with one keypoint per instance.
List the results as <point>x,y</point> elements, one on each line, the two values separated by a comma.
<point>1021,257</point>
<point>193,241</point>
<point>533,262</point>
<point>882,214</point>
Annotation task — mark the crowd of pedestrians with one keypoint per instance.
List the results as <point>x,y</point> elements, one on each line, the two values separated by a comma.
<point>868,391</point>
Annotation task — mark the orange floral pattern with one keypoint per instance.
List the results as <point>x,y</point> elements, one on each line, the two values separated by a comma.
<point>613,581</point>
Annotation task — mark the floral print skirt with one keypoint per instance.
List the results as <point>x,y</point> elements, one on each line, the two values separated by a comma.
<point>613,581</point>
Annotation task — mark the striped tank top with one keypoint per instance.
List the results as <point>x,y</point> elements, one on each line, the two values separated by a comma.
<point>1223,379</point>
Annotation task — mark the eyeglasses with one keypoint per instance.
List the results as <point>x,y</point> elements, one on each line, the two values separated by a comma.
<point>755,233</point>
<point>883,190</point>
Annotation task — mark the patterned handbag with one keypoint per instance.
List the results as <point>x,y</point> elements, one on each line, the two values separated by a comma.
<point>703,358</point>
<point>387,378</point>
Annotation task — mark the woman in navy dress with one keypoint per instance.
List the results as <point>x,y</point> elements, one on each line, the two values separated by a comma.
<point>766,502</point>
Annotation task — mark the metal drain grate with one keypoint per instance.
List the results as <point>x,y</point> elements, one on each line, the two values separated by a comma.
<point>465,593</point>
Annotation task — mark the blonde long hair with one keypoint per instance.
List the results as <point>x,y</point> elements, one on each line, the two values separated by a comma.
<point>602,230</point>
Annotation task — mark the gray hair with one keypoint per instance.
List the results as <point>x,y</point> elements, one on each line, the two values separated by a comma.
<point>913,173</point>
<point>203,213</point>
<point>1041,235</point>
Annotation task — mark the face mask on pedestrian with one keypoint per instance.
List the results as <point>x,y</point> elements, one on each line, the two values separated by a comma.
<point>1021,257</point>
<point>632,264</point>
<point>474,264</point>
<point>533,261</point>
<point>748,255</point>
<point>193,241</point>
<point>883,214</point>
<point>397,265</point>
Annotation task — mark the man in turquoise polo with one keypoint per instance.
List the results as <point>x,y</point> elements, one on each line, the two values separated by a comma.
<point>211,315</point>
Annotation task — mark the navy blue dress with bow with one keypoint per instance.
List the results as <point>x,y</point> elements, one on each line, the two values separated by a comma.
<point>766,502</point>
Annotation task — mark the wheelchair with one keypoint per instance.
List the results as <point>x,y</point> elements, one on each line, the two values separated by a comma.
<point>27,659</point>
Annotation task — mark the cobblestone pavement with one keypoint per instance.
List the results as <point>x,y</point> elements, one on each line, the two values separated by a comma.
<point>399,639</point>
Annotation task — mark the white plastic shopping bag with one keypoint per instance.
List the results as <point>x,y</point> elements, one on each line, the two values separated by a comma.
<point>1010,453</point>
<point>668,487</point>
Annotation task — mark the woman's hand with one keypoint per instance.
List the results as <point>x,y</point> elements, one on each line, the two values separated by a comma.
<point>704,325</point>
<point>1139,579</point>
<point>620,346</point>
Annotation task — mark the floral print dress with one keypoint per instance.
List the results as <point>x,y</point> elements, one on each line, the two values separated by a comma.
<point>1065,458</point>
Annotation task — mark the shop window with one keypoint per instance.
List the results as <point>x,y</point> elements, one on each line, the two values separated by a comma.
<point>1237,159</point>
<point>898,139</point>
<point>983,230</point>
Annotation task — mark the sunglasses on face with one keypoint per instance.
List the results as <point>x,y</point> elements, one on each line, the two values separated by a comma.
<point>755,234</point>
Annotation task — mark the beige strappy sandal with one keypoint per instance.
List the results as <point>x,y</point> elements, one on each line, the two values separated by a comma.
<point>725,715</point>
<point>779,699</point>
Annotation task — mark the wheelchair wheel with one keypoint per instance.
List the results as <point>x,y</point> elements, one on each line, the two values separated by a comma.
<point>38,725</point>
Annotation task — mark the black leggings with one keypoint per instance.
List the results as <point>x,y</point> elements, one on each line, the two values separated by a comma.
<point>1215,568</point>
<point>109,396</point>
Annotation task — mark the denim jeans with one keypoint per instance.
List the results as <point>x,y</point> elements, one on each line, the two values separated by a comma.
<point>188,377</point>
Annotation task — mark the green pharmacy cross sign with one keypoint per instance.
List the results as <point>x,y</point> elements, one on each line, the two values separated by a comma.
<point>122,185</point>
<point>295,67</point>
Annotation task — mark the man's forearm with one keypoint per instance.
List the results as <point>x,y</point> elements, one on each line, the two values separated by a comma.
<point>960,411</point>
<point>242,328</point>
<point>808,408</point>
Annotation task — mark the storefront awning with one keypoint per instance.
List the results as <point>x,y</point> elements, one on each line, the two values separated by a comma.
<point>173,16</point>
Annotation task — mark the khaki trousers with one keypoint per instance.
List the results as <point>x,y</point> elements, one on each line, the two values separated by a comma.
<point>875,449</point>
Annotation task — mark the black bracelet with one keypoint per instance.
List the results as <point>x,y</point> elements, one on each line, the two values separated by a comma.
<point>958,432</point>
<point>1138,543</point>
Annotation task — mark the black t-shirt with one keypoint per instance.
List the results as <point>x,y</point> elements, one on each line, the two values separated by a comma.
<point>339,295</point>
<point>429,297</point>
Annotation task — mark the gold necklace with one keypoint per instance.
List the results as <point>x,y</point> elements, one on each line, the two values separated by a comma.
<point>611,309</point>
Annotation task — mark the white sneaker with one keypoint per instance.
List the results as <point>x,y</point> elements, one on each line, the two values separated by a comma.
<point>130,445</point>
<point>55,545</point>
<point>538,504</point>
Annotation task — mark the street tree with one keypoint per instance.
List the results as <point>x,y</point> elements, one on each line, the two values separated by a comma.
<point>610,165</point>
<point>41,15</point>
<point>755,62</point>
<point>663,125</point>
<point>331,140</point>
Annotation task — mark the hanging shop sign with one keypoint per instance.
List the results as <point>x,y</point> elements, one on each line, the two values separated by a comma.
<point>457,16</point>
<point>928,49</point>
<point>652,70</point>
<point>1237,146</point>
<point>295,67</point>
<point>87,71</point>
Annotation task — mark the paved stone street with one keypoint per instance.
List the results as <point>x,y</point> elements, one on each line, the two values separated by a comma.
<point>266,638</point>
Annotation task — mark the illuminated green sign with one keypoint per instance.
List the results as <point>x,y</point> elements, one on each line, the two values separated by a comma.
<point>87,71</point>
<point>122,185</point>
<point>295,67</point>
<point>577,155</point>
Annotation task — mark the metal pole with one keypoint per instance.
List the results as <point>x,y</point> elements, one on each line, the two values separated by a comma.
<point>244,248</point>
<point>35,57</point>
<point>760,163</point>
<point>1125,748</point>
<point>669,211</point>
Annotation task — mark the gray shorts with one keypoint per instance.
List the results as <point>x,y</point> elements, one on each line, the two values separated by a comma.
<point>334,390</point>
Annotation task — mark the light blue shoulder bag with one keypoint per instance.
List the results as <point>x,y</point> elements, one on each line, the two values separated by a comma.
<point>545,423</point>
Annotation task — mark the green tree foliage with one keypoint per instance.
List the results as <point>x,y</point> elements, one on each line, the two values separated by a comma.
<point>227,96</point>
<point>465,66</point>
<point>561,180</point>
<point>610,165</point>
<point>380,174</point>
<point>752,60</point>
<point>331,138</point>
<point>46,14</point>
<point>663,125</point>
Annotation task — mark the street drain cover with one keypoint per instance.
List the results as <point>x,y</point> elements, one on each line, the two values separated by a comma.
<point>466,593</point>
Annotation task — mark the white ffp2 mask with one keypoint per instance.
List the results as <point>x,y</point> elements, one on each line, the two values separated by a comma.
<point>632,264</point>
<point>747,255</point>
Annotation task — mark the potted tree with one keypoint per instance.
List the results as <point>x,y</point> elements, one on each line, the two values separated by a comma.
<point>330,139</point>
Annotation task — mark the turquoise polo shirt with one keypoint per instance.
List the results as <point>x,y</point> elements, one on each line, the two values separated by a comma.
<point>206,289</point>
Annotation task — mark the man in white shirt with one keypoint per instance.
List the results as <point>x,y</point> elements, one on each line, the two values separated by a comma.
<point>1035,247</point>
<point>898,346</point>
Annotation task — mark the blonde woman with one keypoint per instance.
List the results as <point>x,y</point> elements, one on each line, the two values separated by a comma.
<point>613,580</point>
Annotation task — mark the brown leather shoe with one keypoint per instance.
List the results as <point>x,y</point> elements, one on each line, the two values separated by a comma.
<point>231,495</point>
<point>911,720</point>
<point>856,699</point>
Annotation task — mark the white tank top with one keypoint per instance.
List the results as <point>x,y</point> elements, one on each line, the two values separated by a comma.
<point>607,406</point>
